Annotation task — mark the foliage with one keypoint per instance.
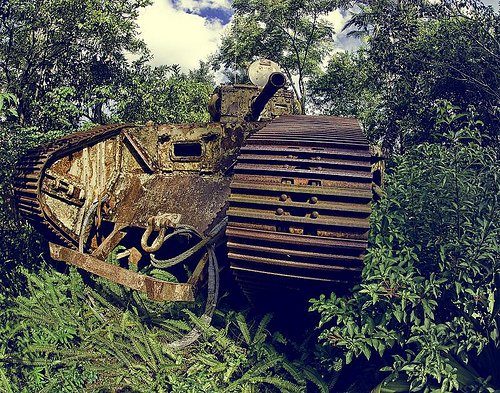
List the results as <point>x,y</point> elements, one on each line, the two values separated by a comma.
<point>8,103</point>
<point>64,337</point>
<point>428,305</point>
<point>429,293</point>
<point>51,50</point>
<point>164,95</point>
<point>340,90</point>
<point>417,53</point>
<point>295,34</point>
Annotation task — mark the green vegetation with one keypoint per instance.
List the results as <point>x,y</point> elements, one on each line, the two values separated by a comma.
<point>64,336</point>
<point>295,34</point>
<point>428,304</point>
<point>426,315</point>
<point>164,95</point>
<point>417,54</point>
<point>62,59</point>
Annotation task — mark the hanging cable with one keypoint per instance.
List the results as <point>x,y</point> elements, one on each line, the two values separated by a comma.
<point>213,277</point>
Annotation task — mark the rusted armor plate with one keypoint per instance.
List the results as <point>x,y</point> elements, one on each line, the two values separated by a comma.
<point>133,173</point>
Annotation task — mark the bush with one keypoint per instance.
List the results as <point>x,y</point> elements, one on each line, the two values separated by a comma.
<point>429,301</point>
<point>64,336</point>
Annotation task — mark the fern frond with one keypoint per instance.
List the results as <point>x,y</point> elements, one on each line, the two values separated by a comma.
<point>175,326</point>
<point>293,371</point>
<point>230,371</point>
<point>248,388</point>
<point>281,384</point>
<point>245,332</point>
<point>208,359</point>
<point>163,275</point>
<point>141,351</point>
<point>5,384</point>
<point>34,348</point>
<point>261,332</point>
<point>111,258</point>
<point>262,367</point>
<point>156,349</point>
<point>313,376</point>
<point>50,385</point>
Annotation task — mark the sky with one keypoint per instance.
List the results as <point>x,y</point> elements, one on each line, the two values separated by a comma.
<point>186,31</point>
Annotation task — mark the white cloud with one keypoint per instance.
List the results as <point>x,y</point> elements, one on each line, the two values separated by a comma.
<point>198,5</point>
<point>342,43</point>
<point>177,37</point>
<point>176,34</point>
<point>337,20</point>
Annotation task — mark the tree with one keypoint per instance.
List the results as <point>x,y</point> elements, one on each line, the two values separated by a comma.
<point>164,95</point>
<point>339,90</point>
<point>294,33</point>
<point>416,54</point>
<point>61,57</point>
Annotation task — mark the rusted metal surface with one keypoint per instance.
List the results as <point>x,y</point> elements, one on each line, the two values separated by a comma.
<point>299,206</point>
<point>296,191</point>
<point>155,289</point>
<point>44,178</point>
<point>108,244</point>
<point>57,183</point>
<point>139,150</point>
<point>232,103</point>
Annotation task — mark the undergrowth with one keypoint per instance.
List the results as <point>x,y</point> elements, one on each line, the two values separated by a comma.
<point>65,336</point>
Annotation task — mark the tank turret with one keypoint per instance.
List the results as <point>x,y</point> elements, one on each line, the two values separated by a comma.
<point>264,99</point>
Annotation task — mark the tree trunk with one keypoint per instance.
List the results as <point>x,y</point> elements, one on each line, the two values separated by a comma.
<point>98,114</point>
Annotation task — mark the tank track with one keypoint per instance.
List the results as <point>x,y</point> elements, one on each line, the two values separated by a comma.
<point>299,207</point>
<point>29,175</point>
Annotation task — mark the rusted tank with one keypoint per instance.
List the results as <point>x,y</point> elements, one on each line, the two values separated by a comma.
<point>284,198</point>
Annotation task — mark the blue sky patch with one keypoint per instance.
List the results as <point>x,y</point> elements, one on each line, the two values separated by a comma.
<point>222,14</point>
<point>207,9</point>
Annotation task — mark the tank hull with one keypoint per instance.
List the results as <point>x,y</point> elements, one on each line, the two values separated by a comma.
<point>295,193</point>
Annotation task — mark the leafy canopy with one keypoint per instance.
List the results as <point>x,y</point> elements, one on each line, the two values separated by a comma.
<point>342,88</point>
<point>416,53</point>
<point>60,57</point>
<point>163,94</point>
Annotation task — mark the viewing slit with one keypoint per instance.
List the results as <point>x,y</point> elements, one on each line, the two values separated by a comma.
<point>191,149</point>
